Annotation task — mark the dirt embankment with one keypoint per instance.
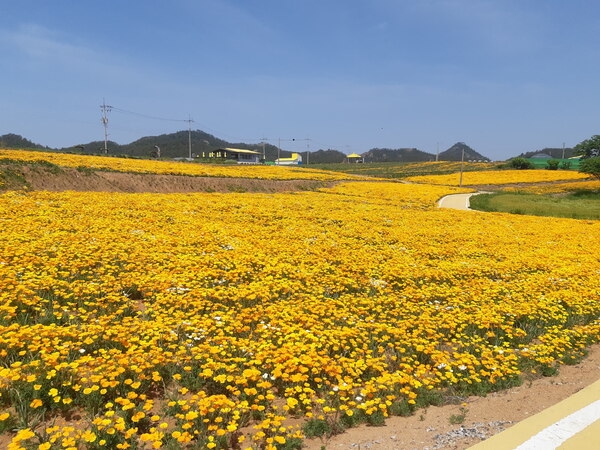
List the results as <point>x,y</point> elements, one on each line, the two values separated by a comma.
<point>70,179</point>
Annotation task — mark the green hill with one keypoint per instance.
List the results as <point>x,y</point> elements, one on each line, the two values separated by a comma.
<point>397,155</point>
<point>11,140</point>
<point>455,153</point>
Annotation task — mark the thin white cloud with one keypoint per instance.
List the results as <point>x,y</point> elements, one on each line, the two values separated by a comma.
<point>43,45</point>
<point>63,56</point>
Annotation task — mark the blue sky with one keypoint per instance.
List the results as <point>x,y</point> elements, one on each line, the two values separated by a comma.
<point>503,76</point>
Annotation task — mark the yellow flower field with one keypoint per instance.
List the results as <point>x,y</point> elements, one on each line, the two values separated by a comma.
<point>499,177</point>
<point>175,168</point>
<point>401,170</point>
<point>172,320</point>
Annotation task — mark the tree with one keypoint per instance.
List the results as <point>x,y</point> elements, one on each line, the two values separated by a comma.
<point>326,157</point>
<point>590,148</point>
<point>590,166</point>
<point>520,163</point>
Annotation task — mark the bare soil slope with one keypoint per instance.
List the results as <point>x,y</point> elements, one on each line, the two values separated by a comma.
<point>69,179</point>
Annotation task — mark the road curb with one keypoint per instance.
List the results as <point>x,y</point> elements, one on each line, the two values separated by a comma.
<point>572,424</point>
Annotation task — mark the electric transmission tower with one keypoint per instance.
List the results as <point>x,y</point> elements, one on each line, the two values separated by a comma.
<point>105,110</point>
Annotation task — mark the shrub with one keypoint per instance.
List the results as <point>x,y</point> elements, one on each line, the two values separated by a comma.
<point>316,428</point>
<point>521,163</point>
<point>565,165</point>
<point>552,164</point>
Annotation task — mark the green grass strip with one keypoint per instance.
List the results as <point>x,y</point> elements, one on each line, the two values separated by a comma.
<point>576,205</point>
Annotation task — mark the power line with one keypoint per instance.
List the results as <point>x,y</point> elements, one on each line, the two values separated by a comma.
<point>146,116</point>
<point>107,108</point>
<point>189,120</point>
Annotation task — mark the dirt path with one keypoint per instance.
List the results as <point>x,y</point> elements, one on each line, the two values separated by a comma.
<point>485,416</point>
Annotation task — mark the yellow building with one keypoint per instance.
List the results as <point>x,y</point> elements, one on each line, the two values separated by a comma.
<point>295,159</point>
<point>355,158</point>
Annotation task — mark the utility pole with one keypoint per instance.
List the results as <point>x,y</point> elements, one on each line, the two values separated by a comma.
<point>563,156</point>
<point>105,110</point>
<point>293,140</point>
<point>263,142</point>
<point>307,146</point>
<point>189,121</point>
<point>462,163</point>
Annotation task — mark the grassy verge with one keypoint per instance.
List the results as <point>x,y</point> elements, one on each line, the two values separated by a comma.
<point>576,205</point>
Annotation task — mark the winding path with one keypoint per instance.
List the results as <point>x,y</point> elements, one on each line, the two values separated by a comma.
<point>457,201</point>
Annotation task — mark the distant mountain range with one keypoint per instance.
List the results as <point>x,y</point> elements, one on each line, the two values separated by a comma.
<point>454,153</point>
<point>176,145</point>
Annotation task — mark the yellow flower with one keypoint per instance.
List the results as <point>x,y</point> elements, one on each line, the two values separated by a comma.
<point>291,402</point>
<point>89,436</point>
<point>138,416</point>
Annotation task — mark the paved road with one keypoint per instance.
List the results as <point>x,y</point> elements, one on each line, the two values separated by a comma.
<point>456,201</point>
